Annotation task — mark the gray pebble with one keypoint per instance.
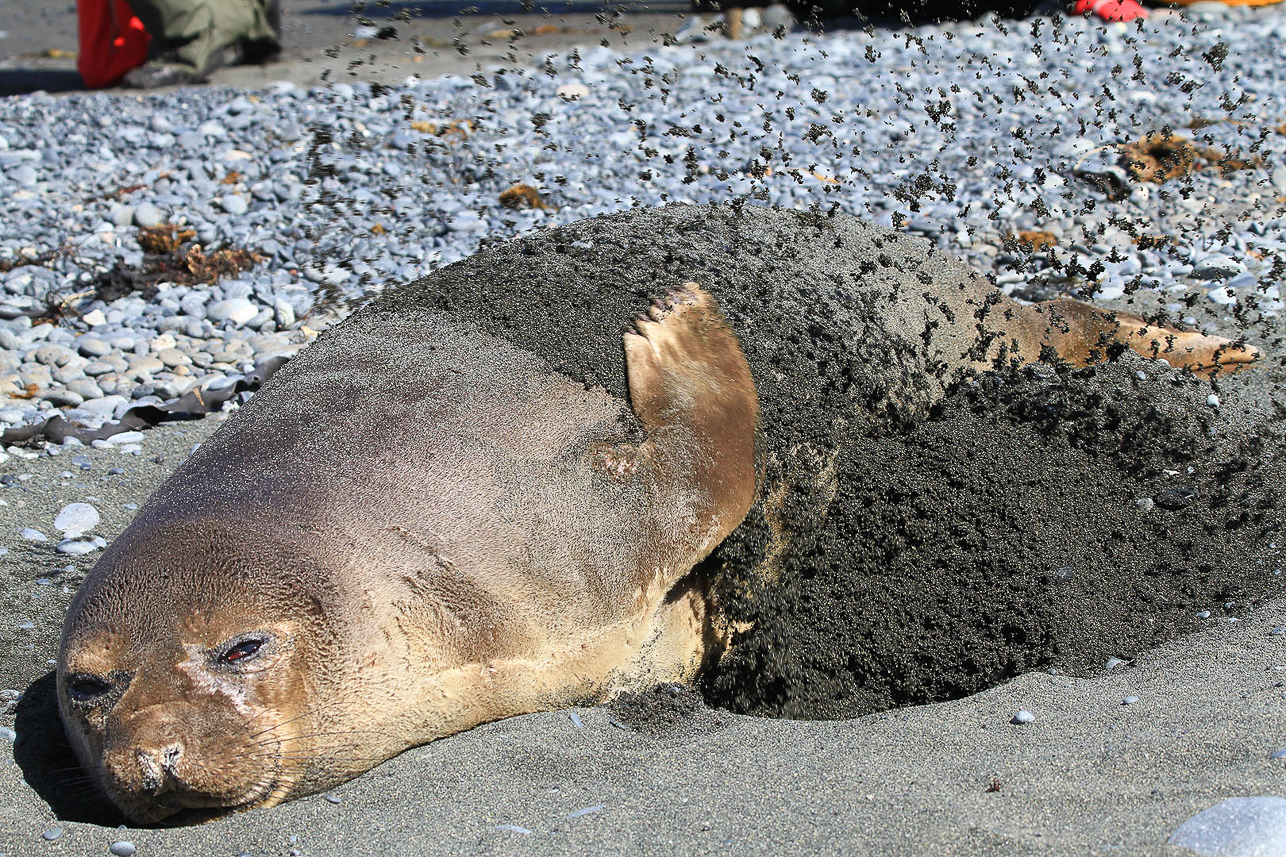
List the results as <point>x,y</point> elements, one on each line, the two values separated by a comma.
<point>52,833</point>
<point>1218,267</point>
<point>236,310</point>
<point>1204,614</point>
<point>123,848</point>
<point>92,346</point>
<point>63,397</point>
<point>52,355</point>
<point>85,388</point>
<point>33,535</point>
<point>1278,754</point>
<point>70,372</point>
<point>145,364</point>
<point>1145,504</point>
<point>7,734</point>
<point>171,357</point>
<point>95,368</point>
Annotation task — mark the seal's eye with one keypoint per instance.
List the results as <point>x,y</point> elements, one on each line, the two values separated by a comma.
<point>87,688</point>
<point>242,651</point>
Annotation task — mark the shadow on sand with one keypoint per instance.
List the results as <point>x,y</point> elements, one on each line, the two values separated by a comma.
<point>48,764</point>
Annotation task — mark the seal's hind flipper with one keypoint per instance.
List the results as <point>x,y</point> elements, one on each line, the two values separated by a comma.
<point>691,388</point>
<point>1081,334</point>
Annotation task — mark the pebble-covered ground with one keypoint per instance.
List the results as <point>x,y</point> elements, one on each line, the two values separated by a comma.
<point>999,140</point>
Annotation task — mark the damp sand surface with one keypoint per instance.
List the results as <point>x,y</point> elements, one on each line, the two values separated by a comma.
<point>1018,482</point>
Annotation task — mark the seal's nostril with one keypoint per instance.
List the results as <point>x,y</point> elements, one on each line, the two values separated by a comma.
<point>170,759</point>
<point>158,769</point>
<point>149,767</point>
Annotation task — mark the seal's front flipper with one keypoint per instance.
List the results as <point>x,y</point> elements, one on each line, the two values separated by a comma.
<point>1081,334</point>
<point>691,388</point>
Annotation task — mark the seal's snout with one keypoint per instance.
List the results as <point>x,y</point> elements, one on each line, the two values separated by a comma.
<point>159,768</point>
<point>145,754</point>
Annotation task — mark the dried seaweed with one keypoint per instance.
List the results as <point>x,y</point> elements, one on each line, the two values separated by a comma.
<point>524,196</point>
<point>1159,157</point>
<point>171,255</point>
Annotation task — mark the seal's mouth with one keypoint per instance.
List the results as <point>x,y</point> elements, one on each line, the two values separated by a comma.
<point>193,808</point>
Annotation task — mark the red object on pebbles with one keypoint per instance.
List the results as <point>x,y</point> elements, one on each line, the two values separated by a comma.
<point>1110,10</point>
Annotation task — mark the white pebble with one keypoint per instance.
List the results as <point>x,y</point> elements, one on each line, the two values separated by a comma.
<point>76,518</point>
<point>233,204</point>
<point>1023,716</point>
<point>1240,825</point>
<point>1212,400</point>
<point>123,848</point>
<point>80,547</point>
<point>1130,700</point>
<point>1221,296</point>
<point>573,91</point>
<point>33,535</point>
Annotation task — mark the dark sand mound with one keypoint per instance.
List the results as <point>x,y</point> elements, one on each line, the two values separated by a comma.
<point>911,547</point>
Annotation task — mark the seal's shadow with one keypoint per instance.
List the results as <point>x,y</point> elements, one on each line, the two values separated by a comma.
<point>48,764</point>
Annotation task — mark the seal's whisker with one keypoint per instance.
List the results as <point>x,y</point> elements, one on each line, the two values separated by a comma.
<point>285,722</point>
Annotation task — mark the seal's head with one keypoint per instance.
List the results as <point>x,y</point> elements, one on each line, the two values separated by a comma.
<point>183,673</point>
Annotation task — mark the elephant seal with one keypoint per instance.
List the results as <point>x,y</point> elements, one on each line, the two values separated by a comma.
<point>414,529</point>
<point>419,525</point>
